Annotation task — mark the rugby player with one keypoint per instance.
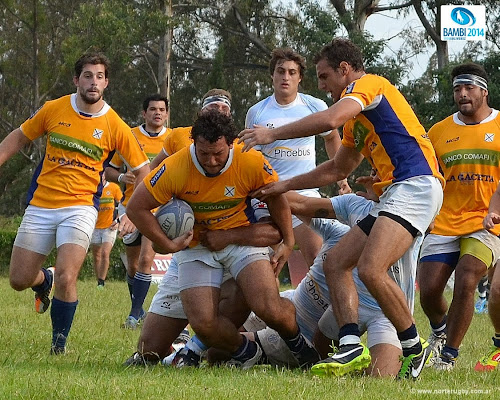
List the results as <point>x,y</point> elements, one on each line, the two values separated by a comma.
<point>467,145</point>
<point>379,125</point>
<point>82,133</point>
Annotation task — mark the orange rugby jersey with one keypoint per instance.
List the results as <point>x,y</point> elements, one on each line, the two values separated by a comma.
<point>78,147</point>
<point>177,139</point>
<point>387,132</point>
<point>219,202</point>
<point>111,193</point>
<point>151,145</point>
<point>469,157</point>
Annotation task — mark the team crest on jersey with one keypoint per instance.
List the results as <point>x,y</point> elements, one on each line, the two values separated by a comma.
<point>488,137</point>
<point>350,88</point>
<point>229,191</point>
<point>97,133</point>
<point>268,168</point>
<point>270,125</point>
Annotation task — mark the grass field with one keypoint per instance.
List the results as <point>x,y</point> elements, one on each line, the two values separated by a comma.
<point>97,346</point>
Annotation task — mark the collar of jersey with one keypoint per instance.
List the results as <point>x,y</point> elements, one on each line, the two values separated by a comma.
<point>295,102</point>
<point>491,117</point>
<point>200,168</point>
<point>105,108</point>
<point>148,134</point>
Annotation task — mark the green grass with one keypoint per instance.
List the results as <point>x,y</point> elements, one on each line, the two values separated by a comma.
<point>97,347</point>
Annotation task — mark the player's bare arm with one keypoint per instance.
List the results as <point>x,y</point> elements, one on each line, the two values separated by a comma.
<point>139,211</point>
<point>311,207</point>
<point>258,235</point>
<point>114,175</point>
<point>345,161</point>
<point>282,216</point>
<point>14,142</point>
<point>332,144</point>
<point>313,124</point>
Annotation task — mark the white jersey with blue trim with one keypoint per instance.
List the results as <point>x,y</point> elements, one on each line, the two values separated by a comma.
<point>289,157</point>
<point>350,209</point>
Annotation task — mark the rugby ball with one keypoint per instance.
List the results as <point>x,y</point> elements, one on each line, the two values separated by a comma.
<point>175,218</point>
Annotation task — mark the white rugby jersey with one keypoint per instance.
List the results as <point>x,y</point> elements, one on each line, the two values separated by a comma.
<point>289,157</point>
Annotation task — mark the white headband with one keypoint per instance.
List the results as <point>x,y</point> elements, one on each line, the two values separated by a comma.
<point>218,99</point>
<point>470,79</point>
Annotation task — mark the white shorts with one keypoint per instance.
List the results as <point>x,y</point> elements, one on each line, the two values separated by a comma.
<point>42,228</point>
<point>167,300</point>
<point>105,235</point>
<point>379,329</point>
<point>416,200</point>
<point>199,267</point>
<point>438,244</point>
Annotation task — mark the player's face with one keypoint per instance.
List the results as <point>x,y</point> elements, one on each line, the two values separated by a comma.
<point>469,99</point>
<point>155,116</point>
<point>330,80</point>
<point>91,83</point>
<point>286,79</point>
<point>212,156</point>
<point>220,107</point>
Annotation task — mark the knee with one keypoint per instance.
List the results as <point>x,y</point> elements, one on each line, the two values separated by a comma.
<point>18,283</point>
<point>368,277</point>
<point>205,326</point>
<point>494,294</point>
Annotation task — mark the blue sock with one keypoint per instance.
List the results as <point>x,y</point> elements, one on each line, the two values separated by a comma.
<point>196,345</point>
<point>439,327</point>
<point>410,341</point>
<point>296,343</point>
<point>46,284</point>
<point>141,286</point>
<point>349,335</point>
<point>450,351</point>
<point>246,351</point>
<point>496,340</point>
<point>62,314</point>
<point>130,283</point>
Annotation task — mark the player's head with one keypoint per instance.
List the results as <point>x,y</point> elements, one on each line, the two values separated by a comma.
<point>217,99</point>
<point>281,55</point>
<point>287,70</point>
<point>213,134</point>
<point>155,112</point>
<point>470,88</point>
<point>338,64</point>
<point>92,58</point>
<point>91,77</point>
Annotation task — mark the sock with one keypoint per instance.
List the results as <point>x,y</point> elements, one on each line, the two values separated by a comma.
<point>100,282</point>
<point>46,284</point>
<point>439,327</point>
<point>450,351</point>
<point>196,345</point>
<point>482,287</point>
<point>62,314</point>
<point>410,341</point>
<point>141,286</point>
<point>296,344</point>
<point>349,335</point>
<point>496,340</point>
<point>130,283</point>
<point>246,351</point>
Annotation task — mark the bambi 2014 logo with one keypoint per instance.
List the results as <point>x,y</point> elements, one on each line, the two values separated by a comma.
<point>463,22</point>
